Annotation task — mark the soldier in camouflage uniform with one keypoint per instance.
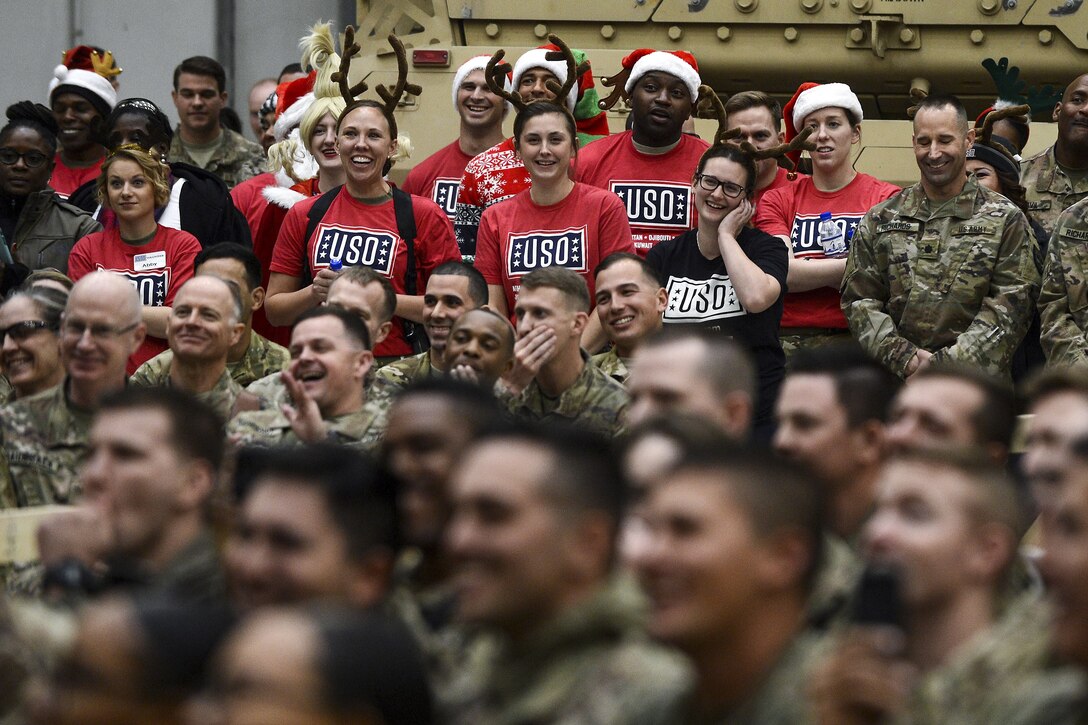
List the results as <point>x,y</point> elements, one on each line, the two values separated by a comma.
<point>944,270</point>
<point>330,350</point>
<point>45,436</point>
<point>1063,299</point>
<point>533,532</point>
<point>552,311</point>
<point>630,302</point>
<point>452,289</point>
<point>724,527</point>
<point>1057,178</point>
<point>205,321</point>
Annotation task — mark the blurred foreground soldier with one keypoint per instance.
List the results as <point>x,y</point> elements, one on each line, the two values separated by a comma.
<point>480,350</point>
<point>831,418</point>
<point>151,466</point>
<point>314,523</point>
<point>252,356</point>
<point>552,310</point>
<point>946,639</point>
<point>205,322</point>
<point>1063,299</point>
<point>684,371</point>
<point>630,301</point>
<point>330,358</point>
<point>953,407</point>
<point>944,270</point>
<point>728,565</point>
<point>533,537</point>
<point>1055,179</point>
<point>45,435</point>
<point>1058,406</point>
<point>317,667</point>
<point>132,663</point>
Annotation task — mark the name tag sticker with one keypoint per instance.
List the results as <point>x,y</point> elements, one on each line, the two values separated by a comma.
<point>151,260</point>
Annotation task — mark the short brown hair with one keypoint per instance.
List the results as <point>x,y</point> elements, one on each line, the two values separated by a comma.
<point>755,99</point>
<point>570,284</point>
<point>155,171</point>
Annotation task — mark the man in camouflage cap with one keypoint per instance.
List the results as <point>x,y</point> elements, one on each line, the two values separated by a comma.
<point>532,538</point>
<point>45,435</point>
<point>205,322</point>
<point>1063,299</point>
<point>330,358</point>
<point>556,379</point>
<point>943,270</point>
<point>1057,178</point>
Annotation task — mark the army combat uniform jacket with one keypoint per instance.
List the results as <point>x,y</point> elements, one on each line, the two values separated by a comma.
<point>957,279</point>
<point>1048,189</point>
<point>594,402</point>
<point>223,398</point>
<point>612,365</point>
<point>263,357</point>
<point>396,376</point>
<point>44,439</point>
<point>1063,299</point>
<point>361,430</point>
<point>235,160</point>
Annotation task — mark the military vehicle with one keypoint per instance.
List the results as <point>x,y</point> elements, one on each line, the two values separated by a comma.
<point>882,48</point>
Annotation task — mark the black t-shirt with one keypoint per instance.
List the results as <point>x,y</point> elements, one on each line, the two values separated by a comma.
<point>701,293</point>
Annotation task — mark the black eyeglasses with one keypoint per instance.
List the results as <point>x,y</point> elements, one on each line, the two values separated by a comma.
<point>32,159</point>
<point>22,330</point>
<point>710,183</point>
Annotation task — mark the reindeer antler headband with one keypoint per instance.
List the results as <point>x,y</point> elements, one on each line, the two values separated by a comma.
<point>390,96</point>
<point>710,106</point>
<point>496,71</point>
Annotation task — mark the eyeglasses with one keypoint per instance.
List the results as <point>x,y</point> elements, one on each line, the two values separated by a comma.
<point>32,159</point>
<point>22,330</point>
<point>710,183</point>
<point>75,330</point>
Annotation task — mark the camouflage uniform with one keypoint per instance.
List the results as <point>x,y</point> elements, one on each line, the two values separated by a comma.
<point>612,365</point>
<point>44,438</point>
<point>361,430</point>
<point>272,393</point>
<point>1063,299</point>
<point>590,665</point>
<point>1054,696</point>
<point>221,398</point>
<point>594,401</point>
<point>236,159</point>
<point>958,280</point>
<point>263,357</point>
<point>1048,189</point>
<point>836,581</point>
<point>7,393</point>
<point>396,376</point>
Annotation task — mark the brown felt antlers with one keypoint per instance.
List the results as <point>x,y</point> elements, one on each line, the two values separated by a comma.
<point>496,71</point>
<point>351,49</point>
<point>392,96</point>
<point>710,106</point>
<point>800,142</point>
<point>993,117</point>
<point>618,84</point>
<point>574,71</point>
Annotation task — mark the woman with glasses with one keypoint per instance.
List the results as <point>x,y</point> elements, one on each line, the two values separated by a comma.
<point>726,276</point>
<point>38,229</point>
<point>29,342</point>
<point>158,260</point>
<point>811,316</point>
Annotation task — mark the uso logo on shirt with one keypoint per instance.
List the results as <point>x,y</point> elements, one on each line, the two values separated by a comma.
<point>150,285</point>
<point>702,300</point>
<point>655,204</point>
<point>806,232</point>
<point>356,246</point>
<point>445,195</point>
<point>535,250</point>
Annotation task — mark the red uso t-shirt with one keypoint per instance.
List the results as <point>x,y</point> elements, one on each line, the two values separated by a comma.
<point>157,269</point>
<point>794,211</point>
<point>781,178</point>
<point>518,236</point>
<point>66,179</point>
<point>655,189</point>
<point>366,234</point>
<point>438,177</point>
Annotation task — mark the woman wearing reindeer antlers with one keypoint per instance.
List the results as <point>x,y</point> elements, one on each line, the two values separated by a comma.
<point>811,314</point>
<point>364,222</point>
<point>555,222</point>
<point>725,275</point>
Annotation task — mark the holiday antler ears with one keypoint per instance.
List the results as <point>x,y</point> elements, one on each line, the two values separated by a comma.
<point>917,95</point>
<point>574,71</point>
<point>351,48</point>
<point>495,73</point>
<point>393,96</point>
<point>993,117</point>
<point>800,142</point>
<point>618,84</point>
<point>710,106</point>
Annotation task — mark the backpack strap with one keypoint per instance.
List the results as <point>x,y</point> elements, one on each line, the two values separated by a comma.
<point>313,218</point>
<point>406,228</point>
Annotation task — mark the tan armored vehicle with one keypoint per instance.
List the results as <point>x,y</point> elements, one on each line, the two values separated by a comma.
<point>880,47</point>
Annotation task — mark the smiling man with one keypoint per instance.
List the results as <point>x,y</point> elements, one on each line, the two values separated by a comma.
<point>650,166</point>
<point>944,270</point>
<point>630,301</point>
<point>480,348</point>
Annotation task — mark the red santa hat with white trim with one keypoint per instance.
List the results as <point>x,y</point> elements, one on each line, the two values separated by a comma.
<point>535,58</point>
<point>679,63</point>
<point>293,98</point>
<point>811,97</point>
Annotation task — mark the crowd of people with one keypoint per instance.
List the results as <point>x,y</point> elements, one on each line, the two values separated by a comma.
<point>574,426</point>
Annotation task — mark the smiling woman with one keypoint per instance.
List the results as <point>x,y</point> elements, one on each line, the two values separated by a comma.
<point>29,345</point>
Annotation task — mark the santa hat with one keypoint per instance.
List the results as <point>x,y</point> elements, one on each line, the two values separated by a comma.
<point>679,63</point>
<point>292,100</point>
<point>478,62</point>
<point>536,59</point>
<point>83,78</point>
<point>812,97</point>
